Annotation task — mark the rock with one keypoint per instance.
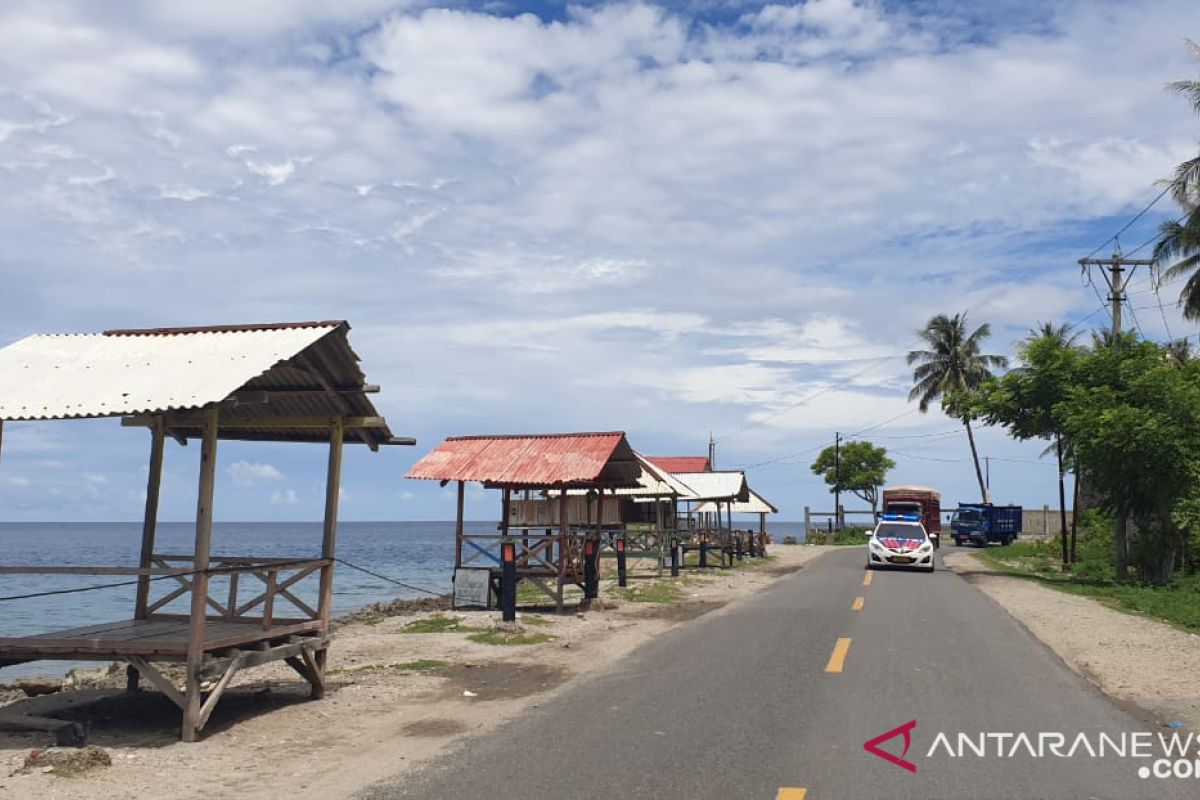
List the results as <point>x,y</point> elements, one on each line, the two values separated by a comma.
<point>68,762</point>
<point>32,687</point>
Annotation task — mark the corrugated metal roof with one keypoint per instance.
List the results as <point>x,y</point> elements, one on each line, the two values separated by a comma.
<point>161,370</point>
<point>557,459</point>
<point>730,484</point>
<point>675,464</point>
<point>755,505</point>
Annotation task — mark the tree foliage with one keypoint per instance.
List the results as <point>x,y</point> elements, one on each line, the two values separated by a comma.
<point>1132,416</point>
<point>1177,250</point>
<point>951,369</point>
<point>859,468</point>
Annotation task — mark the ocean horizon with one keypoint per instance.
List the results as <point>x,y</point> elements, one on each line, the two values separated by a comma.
<point>417,553</point>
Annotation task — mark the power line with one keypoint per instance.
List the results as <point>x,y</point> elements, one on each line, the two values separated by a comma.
<point>802,401</point>
<point>1116,236</point>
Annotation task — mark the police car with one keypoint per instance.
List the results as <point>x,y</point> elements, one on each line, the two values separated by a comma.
<point>899,540</point>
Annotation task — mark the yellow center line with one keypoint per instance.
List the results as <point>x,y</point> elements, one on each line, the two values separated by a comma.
<point>858,604</point>
<point>838,659</point>
<point>789,793</point>
<point>868,578</point>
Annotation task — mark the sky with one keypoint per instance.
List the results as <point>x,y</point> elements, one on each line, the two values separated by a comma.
<point>670,219</point>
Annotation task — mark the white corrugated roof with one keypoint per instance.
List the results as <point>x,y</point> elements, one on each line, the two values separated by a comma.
<point>714,485</point>
<point>755,505</point>
<point>97,375</point>
<point>653,482</point>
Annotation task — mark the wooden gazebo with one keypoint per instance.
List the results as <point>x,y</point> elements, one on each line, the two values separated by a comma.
<point>292,382</point>
<point>548,551</point>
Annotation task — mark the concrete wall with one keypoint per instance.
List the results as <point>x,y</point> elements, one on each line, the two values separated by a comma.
<point>1042,522</point>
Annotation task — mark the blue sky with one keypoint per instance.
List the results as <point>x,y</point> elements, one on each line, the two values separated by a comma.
<point>667,219</point>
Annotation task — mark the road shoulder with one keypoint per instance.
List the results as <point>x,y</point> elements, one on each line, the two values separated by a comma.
<point>1133,659</point>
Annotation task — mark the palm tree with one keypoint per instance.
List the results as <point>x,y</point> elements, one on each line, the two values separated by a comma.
<point>952,363</point>
<point>1178,245</point>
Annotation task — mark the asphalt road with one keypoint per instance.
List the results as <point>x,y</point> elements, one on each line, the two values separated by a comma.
<point>740,704</point>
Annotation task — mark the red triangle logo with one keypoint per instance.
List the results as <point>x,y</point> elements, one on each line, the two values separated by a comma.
<point>904,730</point>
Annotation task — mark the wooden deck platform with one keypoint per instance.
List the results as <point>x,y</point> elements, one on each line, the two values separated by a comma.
<point>157,638</point>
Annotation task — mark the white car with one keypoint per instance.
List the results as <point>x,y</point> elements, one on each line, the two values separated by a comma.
<point>900,543</point>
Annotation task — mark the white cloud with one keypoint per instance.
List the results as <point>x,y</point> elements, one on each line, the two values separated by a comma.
<point>633,216</point>
<point>284,497</point>
<point>248,474</point>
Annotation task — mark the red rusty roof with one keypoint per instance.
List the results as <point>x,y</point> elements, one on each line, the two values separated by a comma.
<point>557,459</point>
<point>681,463</point>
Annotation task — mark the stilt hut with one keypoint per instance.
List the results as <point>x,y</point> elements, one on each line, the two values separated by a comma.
<point>548,548</point>
<point>643,517</point>
<point>717,490</point>
<point>292,382</point>
<point>755,505</point>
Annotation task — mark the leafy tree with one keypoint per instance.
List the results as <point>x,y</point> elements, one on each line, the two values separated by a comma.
<point>952,365</point>
<point>860,468</point>
<point>1133,416</point>
<point>1178,246</point>
<point>1024,399</point>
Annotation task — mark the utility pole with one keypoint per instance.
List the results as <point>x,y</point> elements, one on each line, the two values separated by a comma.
<point>1115,275</point>
<point>837,478</point>
<point>1115,267</point>
<point>712,451</point>
<point>987,475</point>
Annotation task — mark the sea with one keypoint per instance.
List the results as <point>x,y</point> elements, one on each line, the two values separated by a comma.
<point>419,555</point>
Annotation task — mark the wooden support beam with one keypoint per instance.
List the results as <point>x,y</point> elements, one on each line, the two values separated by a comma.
<point>215,695</point>
<point>333,482</point>
<point>321,371</point>
<point>458,527</point>
<point>203,548</point>
<point>317,423</point>
<point>159,680</point>
<point>150,518</point>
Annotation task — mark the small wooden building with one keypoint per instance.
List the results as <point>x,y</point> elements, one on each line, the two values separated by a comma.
<point>292,382</point>
<point>549,537</point>
<point>756,504</point>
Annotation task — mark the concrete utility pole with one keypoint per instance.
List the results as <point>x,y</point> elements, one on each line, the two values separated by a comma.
<point>1117,280</point>
<point>712,451</point>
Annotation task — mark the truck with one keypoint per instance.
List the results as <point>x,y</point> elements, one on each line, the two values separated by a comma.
<point>984,523</point>
<point>920,501</point>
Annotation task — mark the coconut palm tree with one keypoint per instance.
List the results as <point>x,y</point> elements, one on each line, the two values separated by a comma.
<point>1178,245</point>
<point>952,363</point>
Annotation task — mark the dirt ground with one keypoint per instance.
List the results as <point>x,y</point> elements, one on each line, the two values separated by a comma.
<point>1133,659</point>
<point>266,739</point>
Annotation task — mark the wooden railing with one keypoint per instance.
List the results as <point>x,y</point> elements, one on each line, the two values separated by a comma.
<point>276,578</point>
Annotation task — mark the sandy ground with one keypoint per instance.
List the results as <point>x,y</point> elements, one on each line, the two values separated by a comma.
<point>1136,660</point>
<point>267,740</point>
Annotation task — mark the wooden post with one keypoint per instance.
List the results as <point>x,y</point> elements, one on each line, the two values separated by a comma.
<point>333,482</point>
<point>149,526</point>
<point>333,496</point>
<point>203,546</point>
<point>458,527</point>
<point>505,498</point>
<point>563,550</point>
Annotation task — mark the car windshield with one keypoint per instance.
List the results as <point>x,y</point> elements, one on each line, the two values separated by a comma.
<point>967,515</point>
<point>891,530</point>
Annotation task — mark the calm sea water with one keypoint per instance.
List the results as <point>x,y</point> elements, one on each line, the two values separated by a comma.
<point>420,554</point>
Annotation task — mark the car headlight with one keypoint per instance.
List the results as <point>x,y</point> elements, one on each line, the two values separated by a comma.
<point>927,546</point>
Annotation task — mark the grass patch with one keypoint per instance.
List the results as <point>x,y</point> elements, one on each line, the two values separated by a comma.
<point>535,620</point>
<point>505,638</point>
<point>438,623</point>
<point>658,592</point>
<point>1177,603</point>
<point>422,665</point>
<point>844,537</point>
